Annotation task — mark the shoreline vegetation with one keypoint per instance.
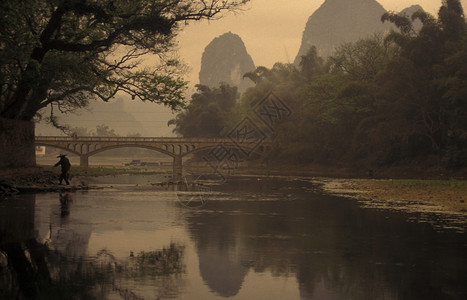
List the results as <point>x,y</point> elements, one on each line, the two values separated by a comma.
<point>441,193</point>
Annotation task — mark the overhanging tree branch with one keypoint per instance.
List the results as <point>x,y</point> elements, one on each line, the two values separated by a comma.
<point>88,33</point>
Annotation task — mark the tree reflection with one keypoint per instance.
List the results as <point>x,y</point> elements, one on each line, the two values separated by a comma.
<point>50,269</point>
<point>335,249</point>
<point>165,262</point>
<point>104,275</point>
<point>46,274</point>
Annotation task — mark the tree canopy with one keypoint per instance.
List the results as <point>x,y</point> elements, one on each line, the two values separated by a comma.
<point>66,52</point>
<point>384,100</point>
<point>207,113</point>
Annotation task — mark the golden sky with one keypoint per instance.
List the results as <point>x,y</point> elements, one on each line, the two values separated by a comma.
<point>270,29</point>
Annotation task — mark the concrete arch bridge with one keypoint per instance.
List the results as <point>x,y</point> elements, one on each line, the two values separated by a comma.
<point>177,148</point>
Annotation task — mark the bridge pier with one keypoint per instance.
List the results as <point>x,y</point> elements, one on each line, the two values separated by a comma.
<point>86,146</point>
<point>177,168</point>
<point>84,160</point>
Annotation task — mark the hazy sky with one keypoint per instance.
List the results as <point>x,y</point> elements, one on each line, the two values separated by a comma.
<point>272,32</point>
<point>270,29</point>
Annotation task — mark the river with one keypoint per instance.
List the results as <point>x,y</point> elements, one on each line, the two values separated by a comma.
<point>244,238</point>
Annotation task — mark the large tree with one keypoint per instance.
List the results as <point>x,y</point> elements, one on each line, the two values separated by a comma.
<point>63,53</point>
<point>388,99</point>
<point>424,85</point>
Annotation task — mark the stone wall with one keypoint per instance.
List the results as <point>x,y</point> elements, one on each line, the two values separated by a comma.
<point>17,149</point>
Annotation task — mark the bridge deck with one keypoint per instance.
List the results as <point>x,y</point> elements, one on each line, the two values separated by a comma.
<point>175,147</point>
<point>128,139</point>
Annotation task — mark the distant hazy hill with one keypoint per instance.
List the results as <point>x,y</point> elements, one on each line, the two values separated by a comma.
<point>339,21</point>
<point>226,59</point>
<point>112,113</point>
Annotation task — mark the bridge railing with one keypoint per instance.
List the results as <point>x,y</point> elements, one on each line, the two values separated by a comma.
<point>126,139</point>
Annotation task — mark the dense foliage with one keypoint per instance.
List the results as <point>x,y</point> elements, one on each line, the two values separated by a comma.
<point>66,52</point>
<point>207,112</point>
<point>380,101</point>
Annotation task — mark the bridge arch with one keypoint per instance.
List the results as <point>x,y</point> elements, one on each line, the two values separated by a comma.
<point>177,148</point>
<point>59,147</point>
<point>106,148</point>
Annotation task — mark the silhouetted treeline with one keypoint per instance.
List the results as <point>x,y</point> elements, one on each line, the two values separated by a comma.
<point>383,100</point>
<point>207,113</point>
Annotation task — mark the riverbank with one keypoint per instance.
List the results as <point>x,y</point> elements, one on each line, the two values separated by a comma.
<point>447,196</point>
<point>434,196</point>
<point>45,178</point>
<point>34,180</point>
<point>420,188</point>
<point>408,171</point>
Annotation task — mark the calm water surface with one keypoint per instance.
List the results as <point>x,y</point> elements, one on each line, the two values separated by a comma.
<point>242,239</point>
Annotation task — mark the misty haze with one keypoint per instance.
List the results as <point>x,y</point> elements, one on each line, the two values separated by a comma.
<point>240,149</point>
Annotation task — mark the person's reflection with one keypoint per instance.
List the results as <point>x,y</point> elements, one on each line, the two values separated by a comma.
<point>66,236</point>
<point>65,200</point>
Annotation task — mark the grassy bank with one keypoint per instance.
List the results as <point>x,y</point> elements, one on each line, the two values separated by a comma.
<point>443,195</point>
<point>431,185</point>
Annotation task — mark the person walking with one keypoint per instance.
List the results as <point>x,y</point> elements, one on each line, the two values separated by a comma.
<point>65,163</point>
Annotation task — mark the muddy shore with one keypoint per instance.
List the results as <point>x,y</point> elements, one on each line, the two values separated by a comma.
<point>377,193</point>
<point>33,180</point>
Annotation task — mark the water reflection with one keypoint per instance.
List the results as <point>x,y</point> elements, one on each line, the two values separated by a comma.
<point>51,262</point>
<point>65,202</point>
<point>335,249</point>
<point>221,263</point>
<point>22,259</point>
<point>253,239</point>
